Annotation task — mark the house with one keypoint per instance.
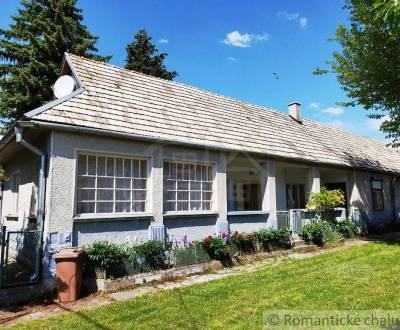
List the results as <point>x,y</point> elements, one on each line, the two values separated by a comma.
<point>127,157</point>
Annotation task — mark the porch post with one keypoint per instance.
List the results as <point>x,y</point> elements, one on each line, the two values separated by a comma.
<point>269,198</point>
<point>156,228</point>
<point>221,200</point>
<point>314,179</point>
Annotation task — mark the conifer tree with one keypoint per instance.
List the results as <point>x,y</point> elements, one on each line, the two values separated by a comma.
<point>32,49</point>
<point>143,56</point>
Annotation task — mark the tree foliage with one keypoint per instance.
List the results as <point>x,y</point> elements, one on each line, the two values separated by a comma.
<point>32,49</point>
<point>143,56</point>
<point>368,64</point>
<point>325,200</point>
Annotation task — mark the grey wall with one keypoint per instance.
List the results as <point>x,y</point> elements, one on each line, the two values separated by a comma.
<point>248,223</point>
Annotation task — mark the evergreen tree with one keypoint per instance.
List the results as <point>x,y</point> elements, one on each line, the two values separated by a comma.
<point>143,56</point>
<point>32,49</point>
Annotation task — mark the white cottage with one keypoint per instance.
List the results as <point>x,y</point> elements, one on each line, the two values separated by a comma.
<point>126,157</point>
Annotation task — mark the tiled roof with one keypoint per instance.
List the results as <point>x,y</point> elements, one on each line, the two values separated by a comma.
<point>116,99</point>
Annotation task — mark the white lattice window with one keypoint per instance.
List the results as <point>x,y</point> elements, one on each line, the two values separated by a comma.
<point>187,186</point>
<point>111,184</point>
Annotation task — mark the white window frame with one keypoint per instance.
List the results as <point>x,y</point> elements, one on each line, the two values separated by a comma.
<point>107,215</point>
<point>213,206</point>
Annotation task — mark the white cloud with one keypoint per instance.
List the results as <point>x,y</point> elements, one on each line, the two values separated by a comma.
<point>163,41</point>
<point>373,124</point>
<point>232,59</point>
<point>333,111</point>
<point>293,17</point>
<point>303,22</point>
<point>235,38</point>
<point>314,105</point>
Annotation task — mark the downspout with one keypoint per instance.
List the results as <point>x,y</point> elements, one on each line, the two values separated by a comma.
<point>40,208</point>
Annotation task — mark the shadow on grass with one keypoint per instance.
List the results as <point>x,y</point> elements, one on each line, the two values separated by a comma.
<point>83,316</point>
<point>392,238</point>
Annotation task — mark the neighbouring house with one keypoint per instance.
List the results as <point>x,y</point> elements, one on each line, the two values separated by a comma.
<point>127,157</point>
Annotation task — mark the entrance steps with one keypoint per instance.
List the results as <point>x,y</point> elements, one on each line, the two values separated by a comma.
<point>299,243</point>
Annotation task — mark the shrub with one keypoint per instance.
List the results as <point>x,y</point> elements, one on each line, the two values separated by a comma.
<point>105,256</point>
<point>347,228</point>
<point>320,233</point>
<point>270,239</point>
<point>215,246</point>
<point>244,242</point>
<point>190,255</point>
<point>325,200</point>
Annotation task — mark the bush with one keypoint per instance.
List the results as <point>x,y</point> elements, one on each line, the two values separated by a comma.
<point>347,228</point>
<point>216,247</point>
<point>190,255</point>
<point>272,239</point>
<point>320,233</point>
<point>325,201</point>
<point>119,260</point>
<point>105,256</point>
<point>244,242</point>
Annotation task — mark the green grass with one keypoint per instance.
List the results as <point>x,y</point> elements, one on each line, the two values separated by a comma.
<point>364,277</point>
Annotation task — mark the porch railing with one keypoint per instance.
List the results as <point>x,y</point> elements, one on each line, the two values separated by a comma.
<point>295,219</point>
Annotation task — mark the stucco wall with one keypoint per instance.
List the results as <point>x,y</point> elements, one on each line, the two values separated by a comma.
<point>248,223</point>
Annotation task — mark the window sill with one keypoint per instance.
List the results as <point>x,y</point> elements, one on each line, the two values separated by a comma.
<point>105,217</point>
<point>176,214</point>
<point>238,213</point>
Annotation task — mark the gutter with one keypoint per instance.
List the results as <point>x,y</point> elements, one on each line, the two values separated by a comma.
<point>41,189</point>
<point>130,136</point>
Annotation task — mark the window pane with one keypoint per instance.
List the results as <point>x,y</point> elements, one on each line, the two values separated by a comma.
<point>183,206</point>
<point>210,173</point>
<point>123,183</point>
<point>122,195</point>
<point>122,207</point>
<point>110,166</point>
<point>170,184</point>
<point>127,168</point>
<point>166,170</point>
<point>204,175</point>
<point>86,182</point>
<point>119,167</point>
<point>101,166</point>
<point>179,171</point>
<point>105,195</point>
<point>195,206</point>
<point>194,185</point>
<point>170,206</point>
<point>86,194</point>
<point>139,195</point>
<point>92,165</point>
<point>104,207</point>
<point>195,195</point>
<point>138,206</point>
<point>207,185</point>
<point>85,207</point>
<point>206,196</point>
<point>183,185</point>
<point>143,169</point>
<point>186,171</point>
<point>173,170</point>
<point>206,206</point>
<point>82,164</point>
<point>192,174</point>
<point>105,183</point>
<point>198,172</point>
<point>135,166</point>
<point>183,195</point>
<point>139,183</point>
<point>171,195</point>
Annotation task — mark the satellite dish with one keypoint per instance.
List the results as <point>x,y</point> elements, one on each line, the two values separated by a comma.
<point>64,85</point>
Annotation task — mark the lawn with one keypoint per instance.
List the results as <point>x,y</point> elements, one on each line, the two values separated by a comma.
<point>363,277</point>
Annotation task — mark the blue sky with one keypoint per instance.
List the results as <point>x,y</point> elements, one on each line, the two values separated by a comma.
<point>235,47</point>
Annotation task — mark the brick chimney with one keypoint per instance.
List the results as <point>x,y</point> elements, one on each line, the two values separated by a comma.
<point>294,111</point>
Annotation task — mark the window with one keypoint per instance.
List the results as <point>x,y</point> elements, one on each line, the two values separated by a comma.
<point>377,194</point>
<point>187,186</point>
<point>246,196</point>
<point>111,184</point>
<point>295,196</point>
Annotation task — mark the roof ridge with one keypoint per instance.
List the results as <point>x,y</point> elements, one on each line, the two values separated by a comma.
<point>178,84</point>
